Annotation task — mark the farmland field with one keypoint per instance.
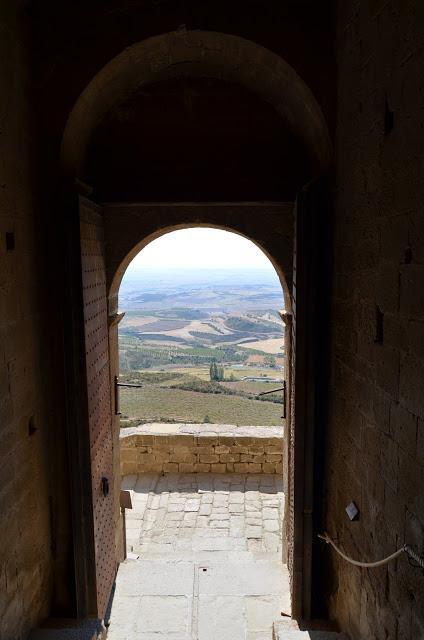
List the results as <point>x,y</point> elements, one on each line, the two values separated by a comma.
<point>190,406</point>
<point>272,345</point>
<point>202,350</point>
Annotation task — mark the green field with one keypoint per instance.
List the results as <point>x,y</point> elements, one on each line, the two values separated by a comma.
<point>150,404</point>
<point>171,351</point>
<point>254,387</point>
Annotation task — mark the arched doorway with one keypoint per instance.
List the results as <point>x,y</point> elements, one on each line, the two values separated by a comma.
<point>200,307</point>
<point>203,54</point>
<point>268,225</point>
<point>201,288</point>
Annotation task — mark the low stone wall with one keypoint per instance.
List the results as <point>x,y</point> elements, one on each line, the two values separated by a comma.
<point>199,448</point>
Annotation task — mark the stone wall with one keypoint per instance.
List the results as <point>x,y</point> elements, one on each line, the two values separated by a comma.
<point>164,448</point>
<point>376,430</point>
<point>25,541</point>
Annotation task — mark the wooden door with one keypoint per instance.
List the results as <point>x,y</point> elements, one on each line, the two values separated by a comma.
<point>309,391</point>
<point>99,410</point>
<point>89,412</point>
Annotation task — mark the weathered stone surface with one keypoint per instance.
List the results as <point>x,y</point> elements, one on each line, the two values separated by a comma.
<point>171,448</point>
<point>169,509</point>
<point>377,396</point>
<point>217,581</point>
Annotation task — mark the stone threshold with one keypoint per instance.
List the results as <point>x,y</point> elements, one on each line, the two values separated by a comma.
<point>200,448</point>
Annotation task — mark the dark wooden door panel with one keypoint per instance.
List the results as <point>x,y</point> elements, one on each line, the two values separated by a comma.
<point>98,397</point>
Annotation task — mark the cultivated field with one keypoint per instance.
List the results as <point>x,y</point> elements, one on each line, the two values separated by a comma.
<point>191,344</point>
<point>151,405</point>
<point>272,345</point>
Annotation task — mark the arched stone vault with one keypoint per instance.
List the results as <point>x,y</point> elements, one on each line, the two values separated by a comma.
<point>183,54</point>
<point>130,227</point>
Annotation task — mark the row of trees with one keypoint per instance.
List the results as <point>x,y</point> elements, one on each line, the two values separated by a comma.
<point>216,372</point>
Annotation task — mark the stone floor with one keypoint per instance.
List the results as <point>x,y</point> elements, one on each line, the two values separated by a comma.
<point>209,564</point>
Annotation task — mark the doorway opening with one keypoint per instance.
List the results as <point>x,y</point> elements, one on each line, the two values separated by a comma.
<point>202,400</point>
<point>202,333</point>
<point>139,201</point>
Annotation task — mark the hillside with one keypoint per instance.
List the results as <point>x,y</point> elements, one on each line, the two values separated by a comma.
<point>171,335</point>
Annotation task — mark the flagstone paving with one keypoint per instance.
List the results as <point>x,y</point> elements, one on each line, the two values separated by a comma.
<point>209,562</point>
<point>204,513</point>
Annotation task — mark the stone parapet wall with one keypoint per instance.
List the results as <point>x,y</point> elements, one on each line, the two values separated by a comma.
<point>164,448</point>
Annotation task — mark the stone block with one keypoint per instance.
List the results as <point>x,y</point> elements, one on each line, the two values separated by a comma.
<point>183,456</point>
<point>146,458</point>
<point>387,290</point>
<point>241,467</point>
<point>209,459</point>
<point>204,449</point>
<point>183,440</point>
<point>240,449</point>
<point>202,467</point>
<point>412,291</point>
<point>412,384</point>
<point>229,457</point>
<point>170,467</point>
<point>389,461</point>
<point>162,456</point>
<point>256,448</point>
<point>403,428</point>
<point>411,481</point>
<point>128,468</point>
<point>222,449</point>
<point>186,467</point>
<point>218,468</point>
<point>150,467</point>
<point>273,457</point>
<point>254,467</point>
<point>128,455</point>
<point>275,448</point>
<point>387,362</point>
<point>394,238</point>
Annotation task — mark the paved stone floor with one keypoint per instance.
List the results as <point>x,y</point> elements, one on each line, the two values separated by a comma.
<point>209,564</point>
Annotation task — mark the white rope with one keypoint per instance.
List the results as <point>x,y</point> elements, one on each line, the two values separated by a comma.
<point>379,563</point>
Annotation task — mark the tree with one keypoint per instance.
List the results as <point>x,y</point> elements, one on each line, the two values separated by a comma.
<point>213,371</point>
<point>270,360</point>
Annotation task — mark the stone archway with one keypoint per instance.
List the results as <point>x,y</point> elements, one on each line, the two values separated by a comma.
<point>201,54</point>
<point>138,230</point>
<point>268,225</point>
<point>192,54</point>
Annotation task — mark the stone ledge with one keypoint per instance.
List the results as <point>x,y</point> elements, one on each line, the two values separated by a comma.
<point>200,448</point>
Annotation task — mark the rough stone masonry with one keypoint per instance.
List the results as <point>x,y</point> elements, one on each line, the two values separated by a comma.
<point>199,448</point>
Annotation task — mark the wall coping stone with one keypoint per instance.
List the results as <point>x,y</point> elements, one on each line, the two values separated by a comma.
<point>202,430</point>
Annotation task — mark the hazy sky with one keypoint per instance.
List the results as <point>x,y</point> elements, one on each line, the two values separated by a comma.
<point>201,248</point>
